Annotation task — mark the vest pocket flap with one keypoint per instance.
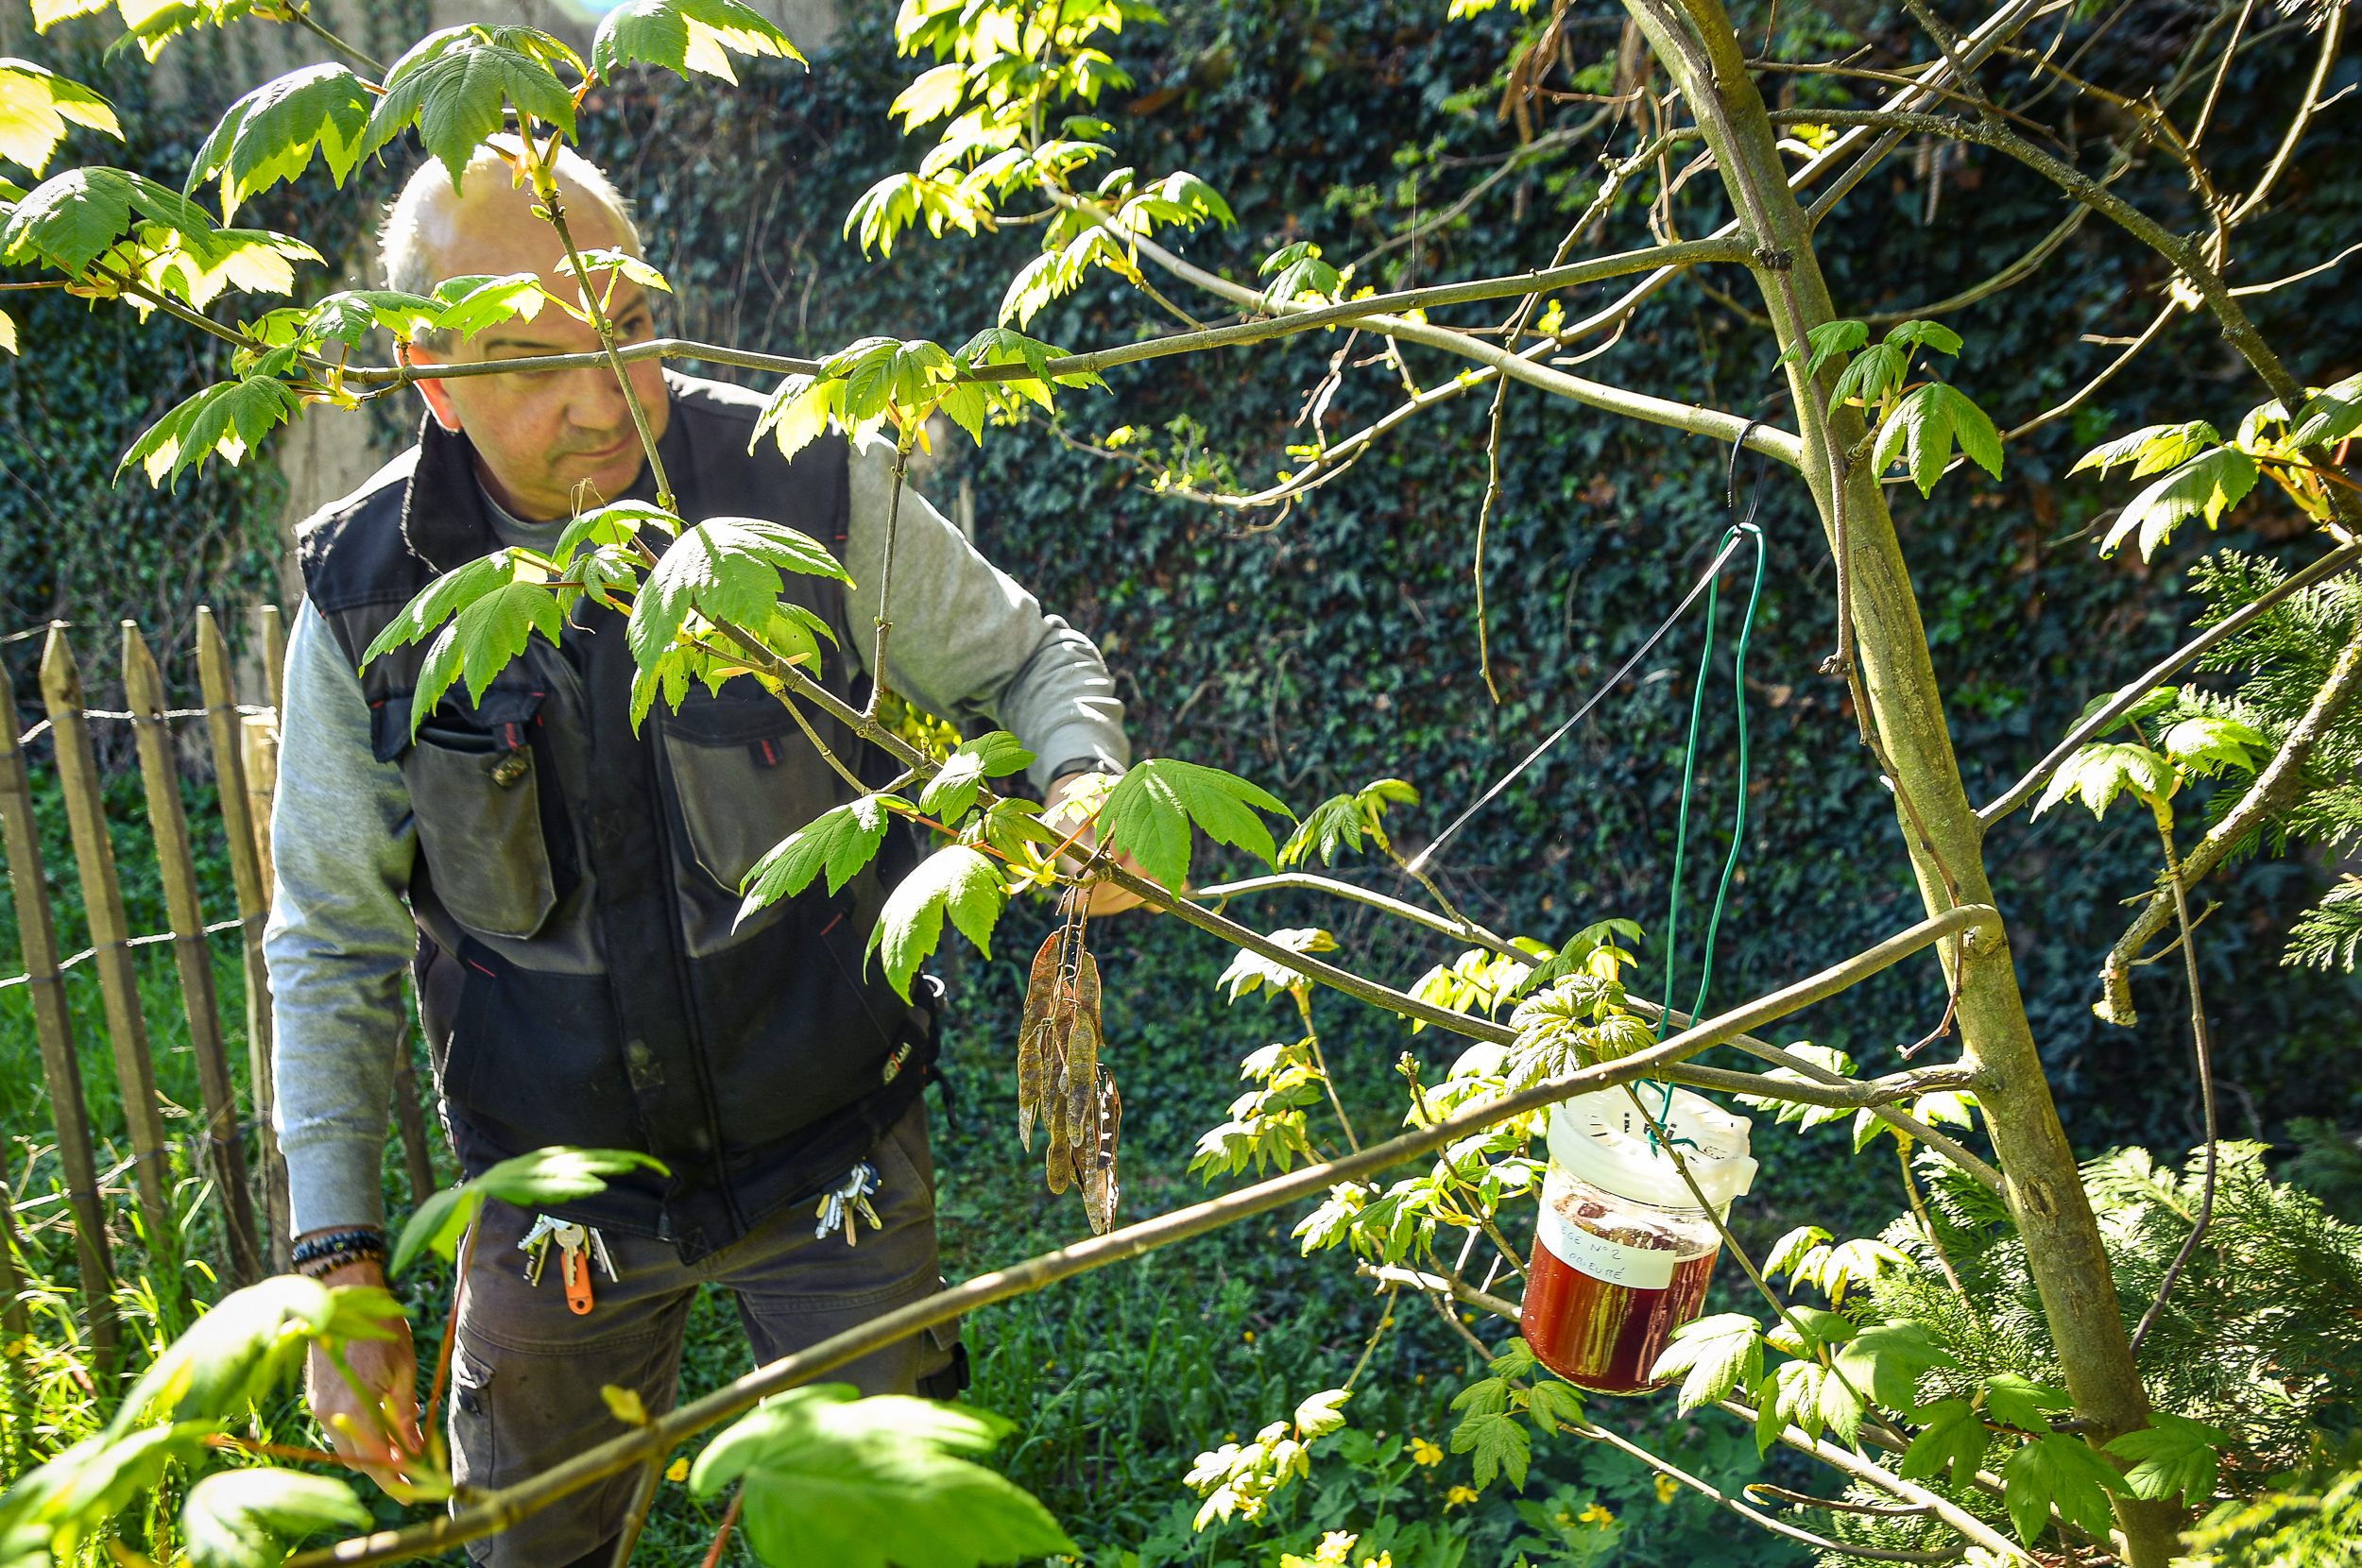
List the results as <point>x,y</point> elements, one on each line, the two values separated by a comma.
<point>741,715</point>
<point>479,813</point>
<point>499,722</point>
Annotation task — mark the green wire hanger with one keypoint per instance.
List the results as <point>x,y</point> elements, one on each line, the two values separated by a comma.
<point>1742,528</point>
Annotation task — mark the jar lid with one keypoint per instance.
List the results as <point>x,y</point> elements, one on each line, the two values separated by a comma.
<point>1602,1140</point>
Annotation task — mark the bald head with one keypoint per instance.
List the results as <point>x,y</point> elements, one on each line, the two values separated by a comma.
<point>486,226</point>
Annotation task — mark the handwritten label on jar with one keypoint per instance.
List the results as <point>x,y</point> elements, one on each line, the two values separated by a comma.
<point>1615,1262</point>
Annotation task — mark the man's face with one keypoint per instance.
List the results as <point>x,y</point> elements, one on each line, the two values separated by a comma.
<point>554,440</point>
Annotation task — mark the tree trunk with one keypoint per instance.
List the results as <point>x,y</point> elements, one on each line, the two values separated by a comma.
<point>1694,40</point>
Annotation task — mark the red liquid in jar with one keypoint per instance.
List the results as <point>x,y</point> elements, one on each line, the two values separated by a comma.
<point>1607,1337</point>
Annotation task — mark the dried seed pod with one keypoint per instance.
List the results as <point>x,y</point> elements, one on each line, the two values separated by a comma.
<point>1082,1053</point>
<point>1041,996</point>
<point>1099,1170</point>
<point>1059,1167</point>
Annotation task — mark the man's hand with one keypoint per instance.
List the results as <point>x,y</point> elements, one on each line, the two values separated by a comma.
<point>383,1368</point>
<point>1106,897</point>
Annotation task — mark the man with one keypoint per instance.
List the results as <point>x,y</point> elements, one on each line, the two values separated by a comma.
<point>566,889</point>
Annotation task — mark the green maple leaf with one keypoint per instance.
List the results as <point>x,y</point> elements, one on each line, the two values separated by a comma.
<point>858,1483</point>
<point>228,418</point>
<point>684,36</point>
<point>1873,375</point>
<point>241,1348</point>
<point>456,85</point>
<point>2205,487</point>
<point>2206,743</point>
<point>2063,1472</point>
<point>2173,1453</point>
<point>442,599</point>
<point>727,568</point>
<point>1825,342</point>
<point>955,880</point>
<point>543,1179</point>
<point>73,219</point>
<point>1885,1360</point>
<point>2151,449</point>
<point>37,104</point>
<point>1717,1354</point>
<point>1498,1443</point>
<point>1955,1437</point>
<point>2331,415</point>
<point>839,840</point>
<point>1342,820</point>
<point>480,641</point>
<point>349,315</point>
<point>2022,1403</point>
<point>248,1518</point>
<point>1150,811</point>
<point>617,522</point>
<point>468,305</point>
<point>1928,422</point>
<point>952,790</point>
<point>272,133</point>
<point>2102,771</point>
<point>1551,1404</point>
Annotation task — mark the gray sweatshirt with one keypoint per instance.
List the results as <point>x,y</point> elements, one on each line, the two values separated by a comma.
<point>968,643</point>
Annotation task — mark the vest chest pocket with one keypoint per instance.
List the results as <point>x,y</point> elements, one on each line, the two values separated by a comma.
<point>479,813</point>
<point>745,775</point>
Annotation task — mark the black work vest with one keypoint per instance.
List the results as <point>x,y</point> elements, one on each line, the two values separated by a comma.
<point>580,977</point>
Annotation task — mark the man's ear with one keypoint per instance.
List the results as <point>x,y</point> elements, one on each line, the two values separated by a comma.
<point>437,395</point>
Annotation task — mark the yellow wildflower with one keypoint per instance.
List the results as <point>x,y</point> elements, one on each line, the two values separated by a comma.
<point>1425,1453</point>
<point>1332,1549</point>
<point>677,1470</point>
<point>1666,1488</point>
<point>1458,1495</point>
<point>1383,1559</point>
<point>1595,1514</point>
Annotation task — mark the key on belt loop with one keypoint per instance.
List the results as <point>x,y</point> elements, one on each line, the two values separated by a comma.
<point>847,1200</point>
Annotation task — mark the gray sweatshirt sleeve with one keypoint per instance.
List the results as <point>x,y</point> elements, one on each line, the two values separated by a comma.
<point>968,642</point>
<point>340,934</point>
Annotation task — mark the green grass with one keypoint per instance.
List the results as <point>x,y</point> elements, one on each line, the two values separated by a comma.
<point>1114,1381</point>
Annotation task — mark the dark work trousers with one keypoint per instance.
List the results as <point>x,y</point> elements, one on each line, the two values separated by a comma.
<point>527,1371</point>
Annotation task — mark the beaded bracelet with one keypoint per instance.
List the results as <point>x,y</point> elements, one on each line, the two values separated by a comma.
<point>324,1254</point>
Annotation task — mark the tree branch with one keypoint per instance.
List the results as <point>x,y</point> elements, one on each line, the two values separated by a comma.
<point>503,1509</point>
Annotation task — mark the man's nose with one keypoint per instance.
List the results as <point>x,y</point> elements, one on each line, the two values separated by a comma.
<point>595,399</point>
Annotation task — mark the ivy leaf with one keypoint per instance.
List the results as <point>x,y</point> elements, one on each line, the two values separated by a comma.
<point>727,568</point>
<point>1955,1437</point>
<point>227,419</point>
<point>684,36</point>
<point>952,790</point>
<point>455,85</point>
<point>2060,1471</point>
<point>1825,342</point>
<point>543,1179</point>
<point>248,1518</point>
<point>858,1483</point>
<point>2331,415</point>
<point>1886,1359</point>
<point>955,880</point>
<point>1498,1443</point>
<point>472,304</point>
<point>2100,773</point>
<point>2173,1453</point>
<point>1929,420</point>
<point>2205,487</point>
<point>2022,1403</point>
<point>271,135</point>
<point>1719,1354</point>
<point>839,840</point>
<point>1150,811</point>
<point>37,104</point>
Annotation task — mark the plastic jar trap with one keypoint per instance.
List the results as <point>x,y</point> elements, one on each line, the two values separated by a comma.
<point>1624,1253</point>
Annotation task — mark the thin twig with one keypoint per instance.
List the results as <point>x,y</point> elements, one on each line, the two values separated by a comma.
<point>2202,1047</point>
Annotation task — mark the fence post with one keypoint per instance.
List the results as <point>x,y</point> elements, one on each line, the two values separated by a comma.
<point>102,900</point>
<point>245,871</point>
<point>61,1071</point>
<point>272,639</point>
<point>167,818</point>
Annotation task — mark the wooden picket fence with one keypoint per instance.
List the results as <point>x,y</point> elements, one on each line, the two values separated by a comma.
<point>244,747</point>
